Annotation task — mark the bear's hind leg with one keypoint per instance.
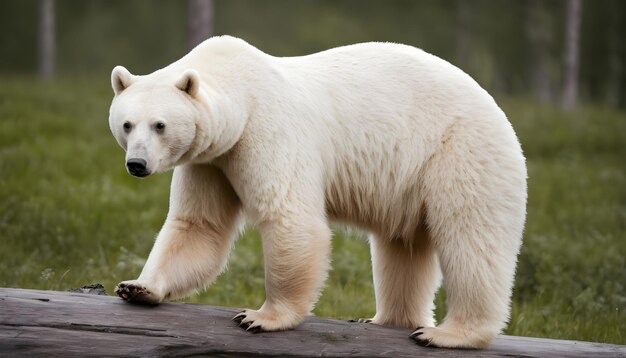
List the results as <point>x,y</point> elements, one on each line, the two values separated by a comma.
<point>478,288</point>
<point>406,277</point>
<point>475,197</point>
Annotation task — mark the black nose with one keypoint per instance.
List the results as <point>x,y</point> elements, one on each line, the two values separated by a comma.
<point>137,167</point>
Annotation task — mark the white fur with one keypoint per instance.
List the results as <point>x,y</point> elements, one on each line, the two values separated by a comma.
<point>382,136</point>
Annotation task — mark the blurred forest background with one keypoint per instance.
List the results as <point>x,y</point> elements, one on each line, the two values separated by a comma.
<point>509,47</point>
<point>70,215</point>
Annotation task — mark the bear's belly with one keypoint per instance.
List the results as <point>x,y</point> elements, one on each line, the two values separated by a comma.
<point>378,201</point>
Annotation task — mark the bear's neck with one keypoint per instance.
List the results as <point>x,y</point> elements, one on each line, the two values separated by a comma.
<point>221,128</point>
<point>229,69</point>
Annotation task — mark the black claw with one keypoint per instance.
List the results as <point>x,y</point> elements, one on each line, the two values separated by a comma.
<point>255,329</point>
<point>426,343</point>
<point>238,318</point>
<point>245,325</point>
<point>360,320</point>
<point>416,332</point>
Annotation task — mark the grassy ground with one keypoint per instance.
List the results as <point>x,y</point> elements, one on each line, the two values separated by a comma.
<point>70,215</point>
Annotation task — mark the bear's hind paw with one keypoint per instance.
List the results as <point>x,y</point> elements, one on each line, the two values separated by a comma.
<point>360,320</point>
<point>438,337</point>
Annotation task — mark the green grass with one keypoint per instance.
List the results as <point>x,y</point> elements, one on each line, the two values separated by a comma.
<point>70,215</point>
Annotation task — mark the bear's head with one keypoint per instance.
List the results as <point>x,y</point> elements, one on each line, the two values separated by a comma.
<point>158,119</point>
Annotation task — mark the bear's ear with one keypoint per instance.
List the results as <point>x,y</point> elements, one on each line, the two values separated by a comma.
<point>121,79</point>
<point>189,82</point>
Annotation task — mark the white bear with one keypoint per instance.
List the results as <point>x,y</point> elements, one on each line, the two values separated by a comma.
<point>382,136</point>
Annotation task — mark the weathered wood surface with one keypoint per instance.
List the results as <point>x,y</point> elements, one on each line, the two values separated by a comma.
<point>48,323</point>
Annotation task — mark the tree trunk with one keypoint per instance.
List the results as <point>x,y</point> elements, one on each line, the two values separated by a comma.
<point>199,21</point>
<point>46,39</point>
<point>463,35</point>
<point>537,24</point>
<point>615,65</point>
<point>572,40</point>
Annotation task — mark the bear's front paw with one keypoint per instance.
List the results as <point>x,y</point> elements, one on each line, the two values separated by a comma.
<point>259,321</point>
<point>132,291</point>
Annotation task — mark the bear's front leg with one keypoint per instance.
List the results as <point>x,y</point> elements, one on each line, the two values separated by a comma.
<point>188,254</point>
<point>296,265</point>
<point>193,245</point>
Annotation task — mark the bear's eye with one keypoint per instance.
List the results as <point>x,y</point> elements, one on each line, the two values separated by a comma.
<point>159,126</point>
<point>127,126</point>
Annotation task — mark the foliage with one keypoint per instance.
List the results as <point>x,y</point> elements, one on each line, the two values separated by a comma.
<point>70,215</point>
<point>95,35</point>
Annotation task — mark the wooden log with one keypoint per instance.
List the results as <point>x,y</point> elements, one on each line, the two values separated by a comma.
<point>49,323</point>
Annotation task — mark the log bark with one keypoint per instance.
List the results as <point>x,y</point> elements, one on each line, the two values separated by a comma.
<point>67,324</point>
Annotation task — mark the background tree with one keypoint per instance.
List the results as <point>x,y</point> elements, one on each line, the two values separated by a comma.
<point>508,54</point>
<point>572,36</point>
<point>464,32</point>
<point>46,39</point>
<point>615,62</point>
<point>200,21</point>
<point>537,27</point>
